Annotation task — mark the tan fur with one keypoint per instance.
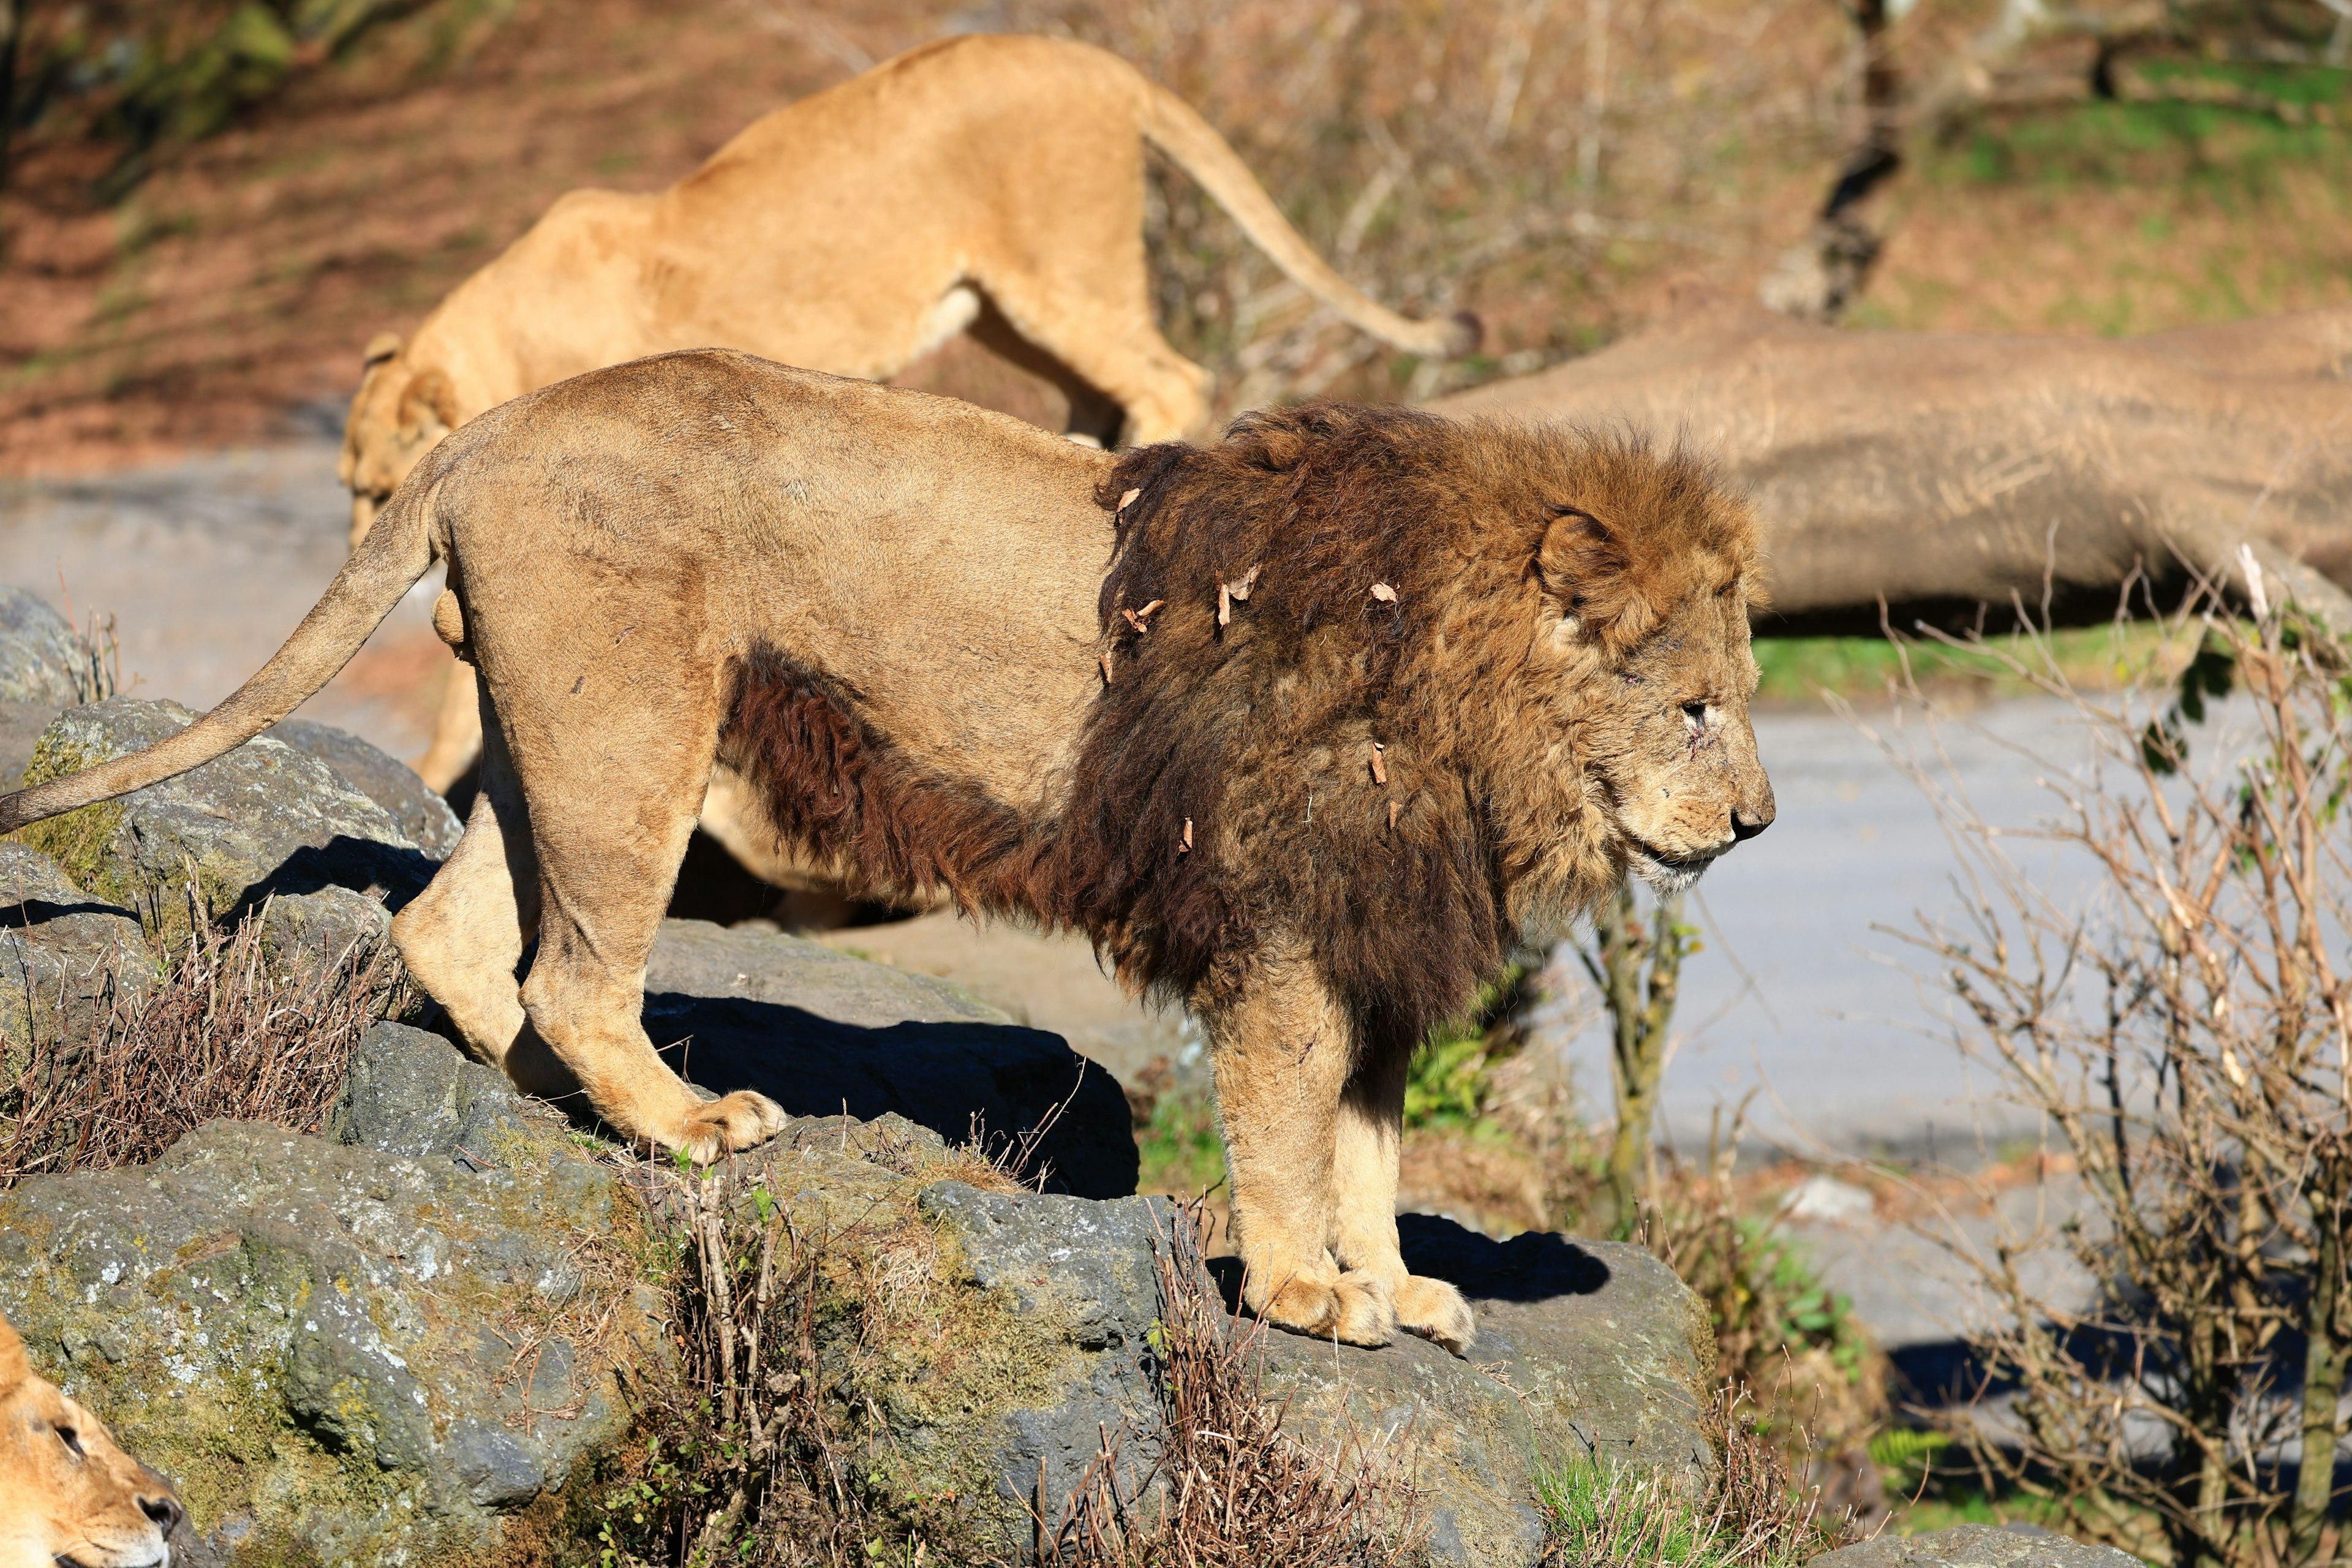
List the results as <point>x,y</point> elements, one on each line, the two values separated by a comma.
<point>991,182</point>
<point>68,1494</point>
<point>891,614</point>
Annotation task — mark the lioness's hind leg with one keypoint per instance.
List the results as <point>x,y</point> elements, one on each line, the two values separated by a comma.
<point>463,936</point>
<point>1363,1218</point>
<point>612,804</point>
<point>457,731</point>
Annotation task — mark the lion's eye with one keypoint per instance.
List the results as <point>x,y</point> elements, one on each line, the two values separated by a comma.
<point>72,1440</point>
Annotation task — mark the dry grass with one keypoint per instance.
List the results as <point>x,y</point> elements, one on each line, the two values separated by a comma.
<point>1228,1485</point>
<point>223,1034</point>
<point>749,1454</point>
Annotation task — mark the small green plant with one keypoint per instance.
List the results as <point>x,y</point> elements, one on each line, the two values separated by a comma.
<point>1451,1083</point>
<point>1758,1515</point>
<point>1178,1146</point>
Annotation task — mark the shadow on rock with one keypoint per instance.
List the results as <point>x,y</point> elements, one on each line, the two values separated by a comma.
<point>999,1083</point>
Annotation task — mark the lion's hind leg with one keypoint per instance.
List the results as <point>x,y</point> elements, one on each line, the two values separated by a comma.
<point>622,761</point>
<point>1364,1188</point>
<point>1281,1057</point>
<point>462,938</point>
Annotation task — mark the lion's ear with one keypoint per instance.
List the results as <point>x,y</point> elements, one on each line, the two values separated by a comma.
<point>428,396</point>
<point>13,1368</point>
<point>1585,569</point>
<point>380,348</point>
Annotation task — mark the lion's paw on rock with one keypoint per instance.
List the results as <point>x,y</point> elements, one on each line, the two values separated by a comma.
<point>1436,1312</point>
<point>735,1121</point>
<point>1354,1309</point>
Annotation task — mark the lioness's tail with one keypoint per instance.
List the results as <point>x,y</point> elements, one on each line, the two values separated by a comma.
<point>1169,123</point>
<point>396,553</point>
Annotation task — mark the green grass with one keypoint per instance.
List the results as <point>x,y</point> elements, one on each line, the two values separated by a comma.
<point>1800,670</point>
<point>2230,150</point>
<point>1179,1149</point>
<point>1601,1518</point>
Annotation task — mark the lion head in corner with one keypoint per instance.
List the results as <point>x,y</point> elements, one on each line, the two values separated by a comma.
<point>67,1495</point>
<point>1456,682</point>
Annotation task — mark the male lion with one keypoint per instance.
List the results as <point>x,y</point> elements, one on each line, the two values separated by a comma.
<point>67,1495</point>
<point>988,183</point>
<point>1304,735</point>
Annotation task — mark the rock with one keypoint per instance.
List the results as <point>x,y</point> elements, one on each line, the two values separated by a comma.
<point>265,821</point>
<point>63,956</point>
<point>1975,1546</point>
<point>1048,980</point>
<point>1586,1351</point>
<point>822,1032</point>
<point>22,725</point>
<point>343,1354</point>
<point>413,1093</point>
<point>1081,1276</point>
<point>38,655</point>
<point>1825,1197</point>
<point>393,785</point>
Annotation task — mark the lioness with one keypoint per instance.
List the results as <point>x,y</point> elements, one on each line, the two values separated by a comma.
<point>67,1495</point>
<point>988,183</point>
<point>1304,728</point>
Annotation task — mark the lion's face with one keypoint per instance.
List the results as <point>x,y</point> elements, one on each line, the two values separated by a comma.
<point>1644,624</point>
<point>398,415</point>
<point>1673,749</point>
<point>67,1495</point>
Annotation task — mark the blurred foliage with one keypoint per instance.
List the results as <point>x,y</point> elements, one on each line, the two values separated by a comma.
<point>1800,670</point>
<point>1452,1081</point>
<point>145,74</point>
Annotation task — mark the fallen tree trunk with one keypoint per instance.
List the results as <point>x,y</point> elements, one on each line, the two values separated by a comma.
<point>1944,473</point>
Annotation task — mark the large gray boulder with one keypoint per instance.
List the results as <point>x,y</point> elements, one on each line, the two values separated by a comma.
<point>64,956</point>
<point>385,779</point>
<point>39,655</point>
<point>825,1033</point>
<point>265,822</point>
<point>1975,1546</point>
<point>343,1354</point>
<point>1586,1349</point>
<point>381,1343</point>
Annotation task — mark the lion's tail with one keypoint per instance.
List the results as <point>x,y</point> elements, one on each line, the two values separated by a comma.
<point>1171,125</point>
<point>397,551</point>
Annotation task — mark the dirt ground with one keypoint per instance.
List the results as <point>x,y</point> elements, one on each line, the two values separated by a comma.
<point>1439,155</point>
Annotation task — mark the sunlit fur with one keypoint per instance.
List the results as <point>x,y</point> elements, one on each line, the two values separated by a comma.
<point>68,1494</point>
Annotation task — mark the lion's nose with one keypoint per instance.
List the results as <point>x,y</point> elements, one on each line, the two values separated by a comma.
<point>164,1509</point>
<point>1747,824</point>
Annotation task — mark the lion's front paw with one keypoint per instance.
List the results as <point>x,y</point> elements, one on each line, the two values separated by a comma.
<point>735,1121</point>
<point>1435,1310</point>
<point>1355,1310</point>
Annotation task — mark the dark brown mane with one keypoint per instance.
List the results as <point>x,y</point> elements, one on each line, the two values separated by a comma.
<point>1381,570</point>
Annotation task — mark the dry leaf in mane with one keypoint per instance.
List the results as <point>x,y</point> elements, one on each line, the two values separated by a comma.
<point>1383,593</point>
<point>1380,764</point>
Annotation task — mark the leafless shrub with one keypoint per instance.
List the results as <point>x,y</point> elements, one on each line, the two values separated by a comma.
<point>222,1034</point>
<point>2182,1030</point>
<point>1228,1484</point>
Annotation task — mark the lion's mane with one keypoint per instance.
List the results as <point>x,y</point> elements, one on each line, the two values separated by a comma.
<point>1384,571</point>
